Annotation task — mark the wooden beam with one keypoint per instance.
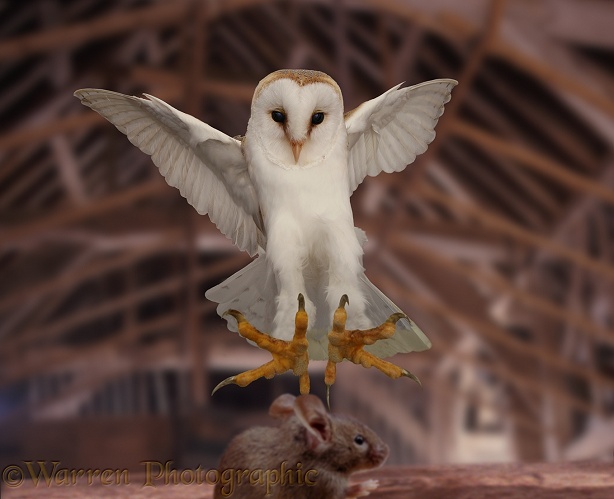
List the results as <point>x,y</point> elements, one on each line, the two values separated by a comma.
<point>422,15</point>
<point>69,170</point>
<point>523,382</point>
<point>540,196</point>
<point>51,126</point>
<point>152,355</point>
<point>21,187</point>
<point>23,86</point>
<point>329,31</point>
<point>474,243</point>
<point>533,301</point>
<point>168,87</point>
<point>505,340</point>
<point>169,286</point>
<point>523,235</point>
<point>66,216</point>
<point>171,84</point>
<point>461,27</point>
<point>342,50</point>
<point>532,160</point>
<point>552,76</point>
<point>586,23</point>
<point>396,281</point>
<point>24,15</point>
<point>402,63</point>
<point>240,50</point>
<point>42,361</point>
<point>257,41</point>
<point>515,379</point>
<point>387,408</point>
<point>535,113</point>
<point>290,28</point>
<point>581,206</point>
<point>496,186</point>
<point>38,363</point>
<point>158,16</point>
<point>492,334</point>
<point>37,133</point>
<point>465,79</point>
<point>446,390</point>
<point>58,284</point>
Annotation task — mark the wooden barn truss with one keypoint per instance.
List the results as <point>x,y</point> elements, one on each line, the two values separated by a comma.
<point>498,241</point>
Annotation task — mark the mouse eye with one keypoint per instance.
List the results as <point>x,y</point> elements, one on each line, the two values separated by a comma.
<point>317,118</point>
<point>359,440</point>
<point>278,116</point>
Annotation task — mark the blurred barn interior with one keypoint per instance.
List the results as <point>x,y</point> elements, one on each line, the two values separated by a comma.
<point>498,241</point>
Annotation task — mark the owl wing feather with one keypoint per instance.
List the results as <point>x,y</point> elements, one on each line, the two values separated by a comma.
<point>386,134</point>
<point>206,165</point>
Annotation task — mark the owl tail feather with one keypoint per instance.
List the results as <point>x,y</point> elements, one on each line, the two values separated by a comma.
<point>408,336</point>
<point>252,290</point>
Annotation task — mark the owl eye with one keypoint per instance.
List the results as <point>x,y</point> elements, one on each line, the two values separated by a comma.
<point>317,118</point>
<point>278,116</point>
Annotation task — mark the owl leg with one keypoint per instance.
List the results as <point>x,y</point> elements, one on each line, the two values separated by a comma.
<point>344,271</point>
<point>349,344</point>
<point>287,355</point>
<point>286,253</point>
<point>284,316</point>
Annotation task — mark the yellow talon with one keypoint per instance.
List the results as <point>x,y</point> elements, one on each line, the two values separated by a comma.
<point>287,355</point>
<point>227,381</point>
<point>349,344</point>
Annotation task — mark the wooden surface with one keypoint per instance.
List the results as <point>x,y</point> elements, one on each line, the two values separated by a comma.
<point>514,481</point>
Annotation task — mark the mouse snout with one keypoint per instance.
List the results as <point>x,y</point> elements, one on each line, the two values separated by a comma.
<point>378,454</point>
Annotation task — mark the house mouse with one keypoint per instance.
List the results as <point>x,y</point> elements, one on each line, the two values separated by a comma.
<point>310,455</point>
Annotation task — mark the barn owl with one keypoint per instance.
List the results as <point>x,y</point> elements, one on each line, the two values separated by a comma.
<point>282,192</point>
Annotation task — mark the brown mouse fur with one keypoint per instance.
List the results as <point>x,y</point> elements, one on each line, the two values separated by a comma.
<point>320,450</point>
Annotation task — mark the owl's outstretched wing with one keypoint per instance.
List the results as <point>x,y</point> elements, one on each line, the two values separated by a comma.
<point>206,165</point>
<point>385,134</point>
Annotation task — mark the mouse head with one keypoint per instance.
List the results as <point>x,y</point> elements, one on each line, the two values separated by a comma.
<point>342,444</point>
<point>311,415</point>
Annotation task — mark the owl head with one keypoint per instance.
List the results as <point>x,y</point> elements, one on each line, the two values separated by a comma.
<point>297,116</point>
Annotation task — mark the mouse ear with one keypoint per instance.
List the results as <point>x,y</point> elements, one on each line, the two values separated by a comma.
<point>282,406</point>
<point>312,414</point>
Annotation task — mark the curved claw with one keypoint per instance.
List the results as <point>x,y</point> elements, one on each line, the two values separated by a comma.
<point>227,381</point>
<point>344,301</point>
<point>328,396</point>
<point>301,302</point>
<point>236,314</point>
<point>394,318</point>
<point>412,376</point>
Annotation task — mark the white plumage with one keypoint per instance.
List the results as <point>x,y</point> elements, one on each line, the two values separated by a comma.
<point>283,192</point>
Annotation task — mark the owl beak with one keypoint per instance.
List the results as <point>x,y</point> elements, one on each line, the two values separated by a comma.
<point>296,149</point>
